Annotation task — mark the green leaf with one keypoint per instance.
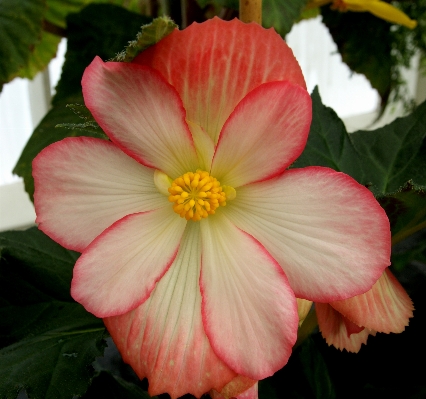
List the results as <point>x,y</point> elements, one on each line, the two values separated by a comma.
<point>98,30</point>
<point>58,10</point>
<point>47,133</point>
<point>316,371</point>
<point>48,340</point>
<point>411,250</point>
<point>365,43</point>
<point>149,35</point>
<point>406,210</point>
<point>20,32</point>
<point>106,385</point>
<point>43,52</point>
<point>282,14</point>
<point>383,159</point>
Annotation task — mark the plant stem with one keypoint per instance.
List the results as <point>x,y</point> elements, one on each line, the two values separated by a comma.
<point>251,11</point>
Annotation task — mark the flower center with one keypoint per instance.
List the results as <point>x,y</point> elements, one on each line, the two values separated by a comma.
<point>196,195</point>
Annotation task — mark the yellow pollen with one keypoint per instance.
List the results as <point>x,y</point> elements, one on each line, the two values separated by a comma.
<point>196,195</point>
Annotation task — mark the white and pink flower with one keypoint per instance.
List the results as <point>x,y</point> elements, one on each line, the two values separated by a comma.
<point>195,236</point>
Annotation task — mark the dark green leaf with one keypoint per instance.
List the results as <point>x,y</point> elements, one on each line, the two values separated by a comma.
<point>365,43</point>
<point>411,250</point>
<point>47,133</point>
<point>281,14</point>
<point>316,371</point>
<point>149,35</point>
<point>98,30</point>
<point>20,31</point>
<point>383,159</point>
<point>48,341</point>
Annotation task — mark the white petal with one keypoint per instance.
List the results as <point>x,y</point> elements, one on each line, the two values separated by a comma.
<point>119,269</point>
<point>83,185</point>
<point>249,310</point>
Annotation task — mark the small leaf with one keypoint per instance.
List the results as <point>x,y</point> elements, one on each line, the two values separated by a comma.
<point>47,133</point>
<point>48,341</point>
<point>282,14</point>
<point>149,35</point>
<point>43,52</point>
<point>383,159</point>
<point>20,32</point>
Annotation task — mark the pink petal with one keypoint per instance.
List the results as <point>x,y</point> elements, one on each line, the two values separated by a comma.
<point>239,388</point>
<point>326,231</point>
<point>265,134</point>
<point>249,311</point>
<point>119,269</point>
<point>203,144</point>
<point>333,329</point>
<point>163,339</point>
<point>83,185</point>
<point>141,113</point>
<point>385,308</point>
<point>214,65</point>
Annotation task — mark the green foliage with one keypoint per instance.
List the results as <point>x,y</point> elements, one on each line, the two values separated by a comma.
<point>281,14</point>
<point>20,33</point>
<point>149,35</point>
<point>42,54</point>
<point>44,333</point>
<point>364,42</point>
<point>98,30</point>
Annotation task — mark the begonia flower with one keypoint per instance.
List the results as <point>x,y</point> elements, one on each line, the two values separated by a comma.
<point>195,236</point>
<point>379,8</point>
<point>385,308</point>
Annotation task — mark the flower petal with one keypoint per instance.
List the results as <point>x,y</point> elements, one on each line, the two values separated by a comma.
<point>204,145</point>
<point>213,65</point>
<point>83,185</point>
<point>264,135</point>
<point>385,308</point>
<point>333,329</point>
<point>119,269</point>
<point>141,113</point>
<point>249,311</point>
<point>163,339</point>
<point>326,231</point>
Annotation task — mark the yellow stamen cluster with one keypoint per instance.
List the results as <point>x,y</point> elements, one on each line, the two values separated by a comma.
<point>196,195</point>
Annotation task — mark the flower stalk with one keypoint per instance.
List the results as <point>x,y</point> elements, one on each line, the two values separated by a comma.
<point>251,11</point>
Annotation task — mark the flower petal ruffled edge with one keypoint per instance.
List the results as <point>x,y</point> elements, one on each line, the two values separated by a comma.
<point>83,185</point>
<point>119,269</point>
<point>249,310</point>
<point>141,113</point>
<point>333,329</point>
<point>386,307</point>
